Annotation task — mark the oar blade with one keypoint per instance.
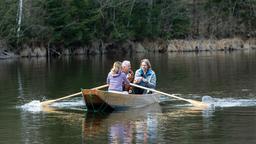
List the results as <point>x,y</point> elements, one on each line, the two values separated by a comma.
<point>46,103</point>
<point>198,104</point>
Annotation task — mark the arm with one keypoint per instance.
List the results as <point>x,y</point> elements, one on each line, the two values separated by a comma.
<point>108,79</point>
<point>130,76</point>
<point>151,83</point>
<point>137,77</point>
<point>126,81</point>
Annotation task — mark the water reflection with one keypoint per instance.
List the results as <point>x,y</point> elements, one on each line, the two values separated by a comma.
<point>132,126</point>
<point>51,127</point>
<point>30,128</point>
<point>153,124</point>
<point>228,77</point>
<point>163,124</point>
<point>212,73</point>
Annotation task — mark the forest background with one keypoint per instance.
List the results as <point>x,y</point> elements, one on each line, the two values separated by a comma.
<point>58,27</point>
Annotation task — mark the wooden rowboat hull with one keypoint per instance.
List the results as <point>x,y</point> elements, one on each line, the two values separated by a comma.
<point>103,101</point>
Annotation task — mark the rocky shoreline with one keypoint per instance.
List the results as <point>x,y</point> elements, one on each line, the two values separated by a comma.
<point>128,47</point>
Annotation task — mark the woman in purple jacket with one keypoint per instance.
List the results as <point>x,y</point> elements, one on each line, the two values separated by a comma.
<point>116,78</point>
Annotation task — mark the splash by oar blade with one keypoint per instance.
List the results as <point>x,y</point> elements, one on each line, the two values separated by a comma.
<point>198,104</point>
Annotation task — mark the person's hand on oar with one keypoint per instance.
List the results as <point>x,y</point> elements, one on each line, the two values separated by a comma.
<point>46,103</point>
<point>193,102</point>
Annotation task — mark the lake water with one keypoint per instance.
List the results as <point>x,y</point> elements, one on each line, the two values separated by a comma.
<point>229,78</point>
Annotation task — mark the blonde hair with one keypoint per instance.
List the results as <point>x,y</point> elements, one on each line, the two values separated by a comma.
<point>147,62</point>
<point>116,67</point>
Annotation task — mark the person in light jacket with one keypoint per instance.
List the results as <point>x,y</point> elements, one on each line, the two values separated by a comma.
<point>144,76</point>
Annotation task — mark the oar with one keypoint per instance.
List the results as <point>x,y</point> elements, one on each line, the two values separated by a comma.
<point>45,103</point>
<point>193,102</point>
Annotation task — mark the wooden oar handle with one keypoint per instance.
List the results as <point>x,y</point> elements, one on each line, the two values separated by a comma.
<point>193,102</point>
<point>153,90</point>
<point>100,87</point>
<point>69,96</point>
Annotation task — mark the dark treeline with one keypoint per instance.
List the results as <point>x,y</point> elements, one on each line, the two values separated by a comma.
<point>75,23</point>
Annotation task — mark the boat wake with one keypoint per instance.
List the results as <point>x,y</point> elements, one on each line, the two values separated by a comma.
<point>35,106</point>
<point>228,102</point>
<point>78,104</point>
<point>68,104</point>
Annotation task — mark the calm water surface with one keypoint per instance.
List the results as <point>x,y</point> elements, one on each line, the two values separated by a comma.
<point>230,78</point>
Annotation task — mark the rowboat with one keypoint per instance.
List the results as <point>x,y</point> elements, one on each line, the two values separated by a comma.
<point>104,101</point>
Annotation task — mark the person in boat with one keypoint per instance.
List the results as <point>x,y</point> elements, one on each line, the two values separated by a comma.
<point>116,78</point>
<point>126,68</point>
<point>144,76</point>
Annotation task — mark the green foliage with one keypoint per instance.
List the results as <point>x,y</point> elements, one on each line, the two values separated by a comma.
<point>79,22</point>
<point>8,20</point>
<point>231,17</point>
<point>72,21</point>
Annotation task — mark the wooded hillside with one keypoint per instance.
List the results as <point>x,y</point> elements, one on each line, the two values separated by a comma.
<point>65,23</point>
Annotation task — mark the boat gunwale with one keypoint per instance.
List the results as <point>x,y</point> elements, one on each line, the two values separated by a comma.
<point>115,100</point>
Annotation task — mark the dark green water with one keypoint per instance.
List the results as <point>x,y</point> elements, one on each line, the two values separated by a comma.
<point>230,78</point>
